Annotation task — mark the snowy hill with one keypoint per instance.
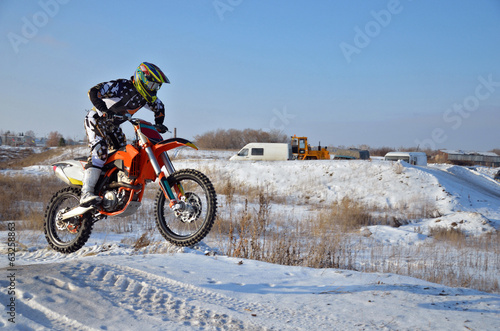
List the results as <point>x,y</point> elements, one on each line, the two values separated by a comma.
<point>108,285</point>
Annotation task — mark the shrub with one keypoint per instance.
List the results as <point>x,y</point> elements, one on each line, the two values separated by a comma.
<point>25,198</point>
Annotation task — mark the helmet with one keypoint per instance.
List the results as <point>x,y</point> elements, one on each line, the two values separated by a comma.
<point>148,79</point>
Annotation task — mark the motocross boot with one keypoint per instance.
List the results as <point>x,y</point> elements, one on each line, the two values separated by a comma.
<point>90,178</point>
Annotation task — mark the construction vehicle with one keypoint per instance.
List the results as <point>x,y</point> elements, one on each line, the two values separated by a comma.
<point>301,150</point>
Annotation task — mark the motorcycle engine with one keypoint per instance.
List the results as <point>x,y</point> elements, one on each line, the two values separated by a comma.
<point>114,199</point>
<point>110,201</point>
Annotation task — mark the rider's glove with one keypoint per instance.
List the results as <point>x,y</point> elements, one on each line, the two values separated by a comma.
<point>161,128</point>
<point>118,119</point>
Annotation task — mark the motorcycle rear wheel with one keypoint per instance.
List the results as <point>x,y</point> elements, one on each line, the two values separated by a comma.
<point>70,235</point>
<point>191,225</point>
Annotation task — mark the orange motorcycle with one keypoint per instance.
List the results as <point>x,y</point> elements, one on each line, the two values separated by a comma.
<point>185,206</point>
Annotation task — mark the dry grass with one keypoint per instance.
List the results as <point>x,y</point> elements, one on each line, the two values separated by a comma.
<point>451,260</point>
<point>24,198</point>
<point>9,155</point>
<point>29,159</point>
<point>329,239</point>
<point>255,232</point>
<point>346,216</point>
<point>417,207</point>
<point>454,236</point>
<point>226,189</point>
<point>143,241</point>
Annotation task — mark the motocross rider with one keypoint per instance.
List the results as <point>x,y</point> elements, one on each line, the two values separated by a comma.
<point>121,97</point>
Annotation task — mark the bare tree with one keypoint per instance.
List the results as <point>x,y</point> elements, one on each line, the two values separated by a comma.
<point>54,139</point>
<point>30,133</point>
<point>235,139</point>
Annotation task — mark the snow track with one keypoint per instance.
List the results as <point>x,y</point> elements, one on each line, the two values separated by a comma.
<point>142,293</point>
<point>157,301</point>
<point>460,179</point>
<point>112,294</point>
<point>196,292</point>
<point>139,281</point>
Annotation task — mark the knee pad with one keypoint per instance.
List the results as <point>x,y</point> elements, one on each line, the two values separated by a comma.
<point>98,155</point>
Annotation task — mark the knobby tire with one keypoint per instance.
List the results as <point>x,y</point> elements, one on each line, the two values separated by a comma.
<point>196,184</point>
<point>51,233</point>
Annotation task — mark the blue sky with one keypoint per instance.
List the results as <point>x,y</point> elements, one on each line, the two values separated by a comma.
<point>351,72</point>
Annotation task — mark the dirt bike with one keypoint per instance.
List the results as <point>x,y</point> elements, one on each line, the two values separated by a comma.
<point>185,205</point>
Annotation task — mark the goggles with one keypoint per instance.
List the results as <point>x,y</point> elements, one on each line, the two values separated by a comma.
<point>152,86</point>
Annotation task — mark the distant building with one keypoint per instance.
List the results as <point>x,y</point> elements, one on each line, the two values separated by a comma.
<point>40,142</point>
<point>17,140</point>
<point>467,158</point>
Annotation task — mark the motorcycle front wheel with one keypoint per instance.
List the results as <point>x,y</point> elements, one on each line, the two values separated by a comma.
<point>193,220</point>
<point>69,235</point>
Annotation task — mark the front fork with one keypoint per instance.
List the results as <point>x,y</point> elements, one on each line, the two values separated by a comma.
<point>162,178</point>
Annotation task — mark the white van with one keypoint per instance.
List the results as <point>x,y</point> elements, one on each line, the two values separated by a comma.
<point>415,158</point>
<point>264,152</point>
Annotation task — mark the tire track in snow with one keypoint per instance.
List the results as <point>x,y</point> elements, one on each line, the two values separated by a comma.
<point>459,178</point>
<point>58,321</point>
<point>38,317</point>
<point>141,293</point>
<point>154,294</point>
<point>148,296</point>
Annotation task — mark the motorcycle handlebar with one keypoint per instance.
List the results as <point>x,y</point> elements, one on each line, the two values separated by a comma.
<point>134,121</point>
<point>126,117</point>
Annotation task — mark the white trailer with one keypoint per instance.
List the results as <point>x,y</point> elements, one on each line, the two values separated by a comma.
<point>415,158</point>
<point>264,152</point>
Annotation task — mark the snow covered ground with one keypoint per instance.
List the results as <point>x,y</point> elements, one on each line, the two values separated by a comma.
<point>108,285</point>
<point>117,290</point>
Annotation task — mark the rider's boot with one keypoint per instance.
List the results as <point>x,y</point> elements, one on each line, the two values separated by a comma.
<point>90,178</point>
